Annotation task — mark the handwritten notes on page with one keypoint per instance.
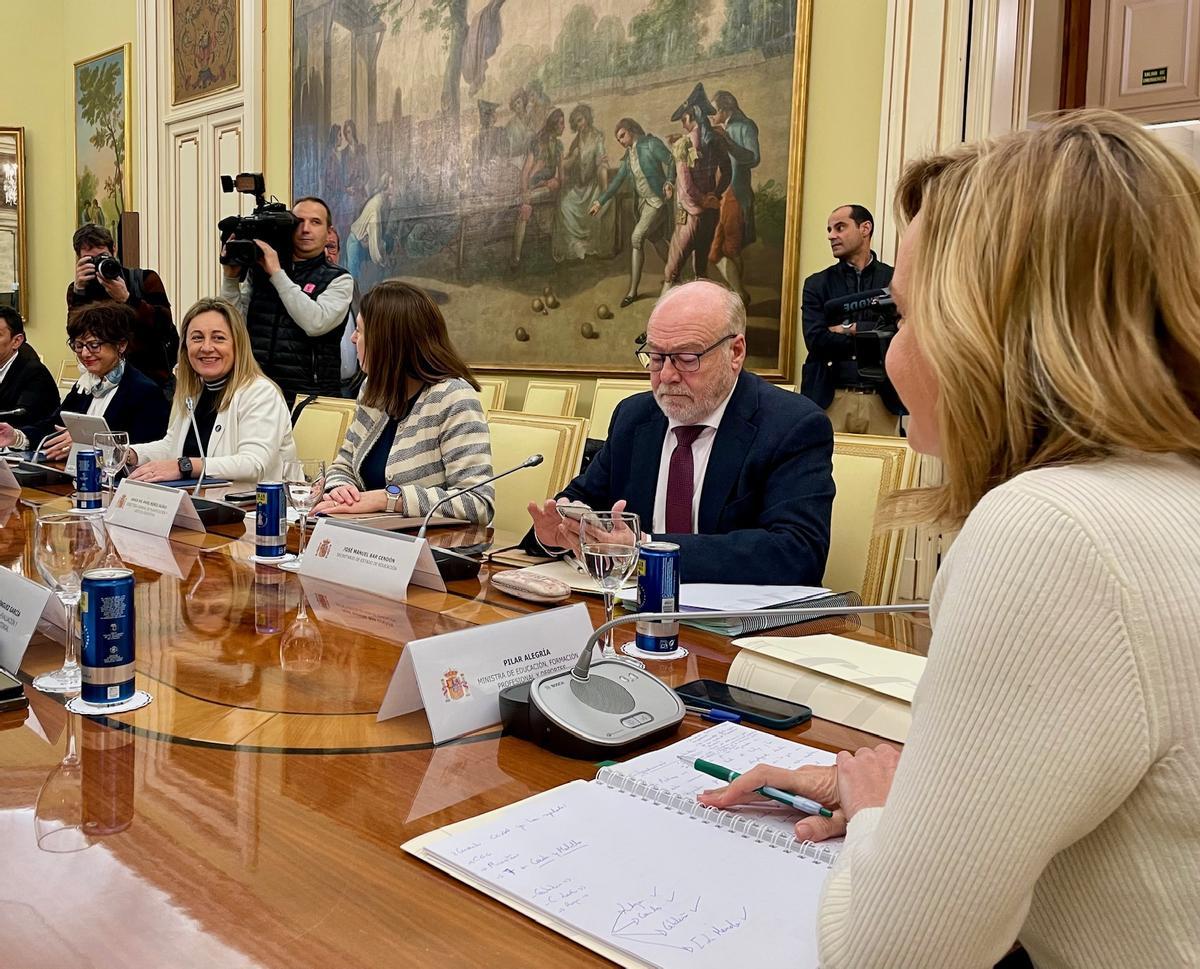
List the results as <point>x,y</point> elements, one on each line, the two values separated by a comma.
<point>664,888</point>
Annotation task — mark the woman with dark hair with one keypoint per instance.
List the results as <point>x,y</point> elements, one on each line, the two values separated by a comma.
<point>419,431</point>
<point>108,385</point>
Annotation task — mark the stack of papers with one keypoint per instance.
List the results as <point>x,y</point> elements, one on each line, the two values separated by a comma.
<point>702,597</point>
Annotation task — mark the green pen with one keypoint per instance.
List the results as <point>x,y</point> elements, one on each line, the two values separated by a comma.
<point>783,797</point>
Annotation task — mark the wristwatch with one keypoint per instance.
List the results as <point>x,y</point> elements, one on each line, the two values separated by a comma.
<point>393,496</point>
<point>846,326</point>
<point>185,467</point>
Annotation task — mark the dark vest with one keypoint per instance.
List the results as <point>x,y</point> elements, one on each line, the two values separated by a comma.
<point>299,363</point>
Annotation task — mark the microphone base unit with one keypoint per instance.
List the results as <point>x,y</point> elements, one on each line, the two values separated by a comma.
<point>618,708</point>
<point>213,512</point>
<point>456,564</point>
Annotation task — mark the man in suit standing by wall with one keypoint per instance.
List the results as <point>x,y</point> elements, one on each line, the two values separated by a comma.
<point>858,401</point>
<point>735,471</point>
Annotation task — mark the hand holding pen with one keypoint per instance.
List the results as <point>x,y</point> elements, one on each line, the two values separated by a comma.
<point>859,780</point>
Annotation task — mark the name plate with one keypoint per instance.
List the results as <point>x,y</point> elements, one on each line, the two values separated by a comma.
<point>21,605</point>
<point>152,508</point>
<point>9,485</point>
<point>370,559</point>
<point>457,677</point>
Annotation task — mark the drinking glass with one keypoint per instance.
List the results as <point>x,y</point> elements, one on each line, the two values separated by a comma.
<point>58,811</point>
<point>301,645</point>
<point>305,484</point>
<point>66,546</point>
<point>609,542</point>
<point>113,447</point>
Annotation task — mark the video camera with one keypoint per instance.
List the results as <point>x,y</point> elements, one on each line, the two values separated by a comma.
<point>877,318</point>
<point>270,221</point>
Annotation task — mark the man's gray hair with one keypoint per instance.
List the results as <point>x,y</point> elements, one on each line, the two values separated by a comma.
<point>727,301</point>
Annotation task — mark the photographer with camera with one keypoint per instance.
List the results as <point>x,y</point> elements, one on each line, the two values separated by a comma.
<point>154,343</point>
<point>844,370</point>
<point>294,300</point>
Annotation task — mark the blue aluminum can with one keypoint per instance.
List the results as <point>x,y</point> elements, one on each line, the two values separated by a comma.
<point>87,480</point>
<point>107,632</point>
<point>270,535</point>
<point>658,591</point>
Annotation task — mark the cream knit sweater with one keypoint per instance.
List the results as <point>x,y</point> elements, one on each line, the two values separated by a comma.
<point>1050,787</point>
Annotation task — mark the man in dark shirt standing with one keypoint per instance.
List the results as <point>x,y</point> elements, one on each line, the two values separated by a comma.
<point>858,403</point>
<point>155,342</point>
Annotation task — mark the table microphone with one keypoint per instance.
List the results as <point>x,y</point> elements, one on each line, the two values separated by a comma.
<point>191,409</point>
<point>530,462</point>
<point>601,709</point>
<point>15,412</point>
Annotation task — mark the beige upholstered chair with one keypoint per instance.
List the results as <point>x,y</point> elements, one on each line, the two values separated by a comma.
<point>865,469</point>
<point>515,436</point>
<point>553,398</point>
<point>492,391</point>
<point>609,393</point>
<point>321,427</point>
<point>791,388</point>
<point>64,386</point>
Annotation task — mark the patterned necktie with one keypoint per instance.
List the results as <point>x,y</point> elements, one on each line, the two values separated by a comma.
<point>680,479</point>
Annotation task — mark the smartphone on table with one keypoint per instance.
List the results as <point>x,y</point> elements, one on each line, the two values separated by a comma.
<point>766,711</point>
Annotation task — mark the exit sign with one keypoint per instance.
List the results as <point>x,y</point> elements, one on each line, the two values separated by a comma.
<point>1154,75</point>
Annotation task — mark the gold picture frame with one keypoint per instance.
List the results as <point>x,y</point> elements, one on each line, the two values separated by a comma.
<point>205,48</point>
<point>14,272</point>
<point>495,333</point>
<point>102,100</point>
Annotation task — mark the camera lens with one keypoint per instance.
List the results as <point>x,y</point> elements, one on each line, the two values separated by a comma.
<point>108,267</point>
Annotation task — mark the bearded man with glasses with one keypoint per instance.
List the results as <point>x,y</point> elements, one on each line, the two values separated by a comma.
<point>735,471</point>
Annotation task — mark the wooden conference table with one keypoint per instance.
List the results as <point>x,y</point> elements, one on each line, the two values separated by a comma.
<point>252,815</point>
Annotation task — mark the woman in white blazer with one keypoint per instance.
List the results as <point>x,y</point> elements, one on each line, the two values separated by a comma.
<point>245,431</point>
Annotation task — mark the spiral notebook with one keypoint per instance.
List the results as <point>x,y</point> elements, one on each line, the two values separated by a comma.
<point>632,867</point>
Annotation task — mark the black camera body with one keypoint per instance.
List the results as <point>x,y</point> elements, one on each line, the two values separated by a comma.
<point>107,266</point>
<point>271,222</point>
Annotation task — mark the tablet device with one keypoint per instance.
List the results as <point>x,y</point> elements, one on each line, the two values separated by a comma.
<point>83,428</point>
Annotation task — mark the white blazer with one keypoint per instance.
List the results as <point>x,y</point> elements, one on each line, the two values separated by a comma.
<point>250,441</point>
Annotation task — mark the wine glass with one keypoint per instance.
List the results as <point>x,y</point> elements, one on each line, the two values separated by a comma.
<point>113,447</point>
<point>58,812</point>
<point>305,484</point>
<point>66,546</point>
<point>301,646</point>
<point>609,542</point>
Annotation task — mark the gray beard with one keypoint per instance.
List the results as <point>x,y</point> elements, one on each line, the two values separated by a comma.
<point>692,410</point>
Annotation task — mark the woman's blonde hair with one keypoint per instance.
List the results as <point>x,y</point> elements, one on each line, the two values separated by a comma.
<point>245,368</point>
<point>1055,294</point>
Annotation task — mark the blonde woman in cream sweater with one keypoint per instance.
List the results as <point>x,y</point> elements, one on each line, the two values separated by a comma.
<point>1049,791</point>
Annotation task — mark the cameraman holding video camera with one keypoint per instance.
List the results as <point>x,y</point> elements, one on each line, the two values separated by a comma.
<point>99,276</point>
<point>295,302</point>
<point>844,370</point>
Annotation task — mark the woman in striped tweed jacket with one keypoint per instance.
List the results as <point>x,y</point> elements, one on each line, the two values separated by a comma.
<point>419,432</point>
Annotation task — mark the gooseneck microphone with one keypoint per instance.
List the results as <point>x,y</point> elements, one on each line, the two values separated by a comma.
<point>191,409</point>
<point>15,412</point>
<point>530,462</point>
<point>608,707</point>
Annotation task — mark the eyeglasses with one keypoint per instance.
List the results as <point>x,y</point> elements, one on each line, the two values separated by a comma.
<point>687,362</point>
<point>92,346</point>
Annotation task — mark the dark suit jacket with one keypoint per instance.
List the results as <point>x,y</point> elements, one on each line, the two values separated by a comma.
<point>831,361</point>
<point>138,407</point>
<point>767,493</point>
<point>30,385</point>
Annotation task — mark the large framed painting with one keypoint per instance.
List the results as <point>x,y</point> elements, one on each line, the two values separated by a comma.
<point>204,48</point>
<point>545,169</point>
<point>102,101</point>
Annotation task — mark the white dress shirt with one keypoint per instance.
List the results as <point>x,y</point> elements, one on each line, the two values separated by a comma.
<point>7,367</point>
<point>701,451</point>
